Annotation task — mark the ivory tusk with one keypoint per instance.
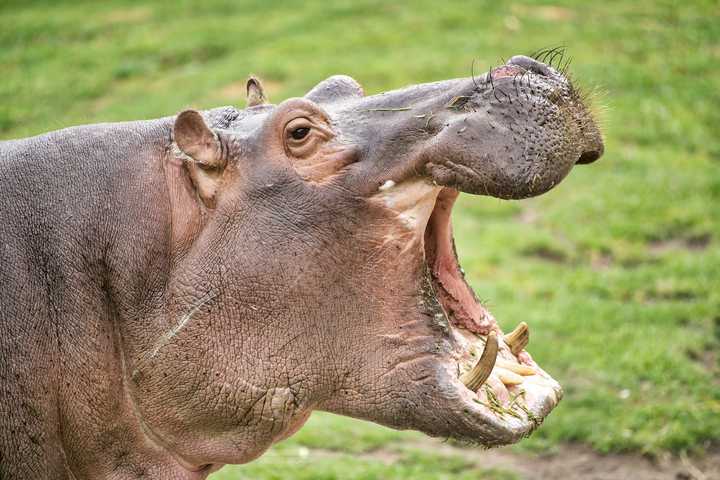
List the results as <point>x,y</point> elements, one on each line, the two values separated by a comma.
<point>519,368</point>
<point>518,339</point>
<point>507,377</point>
<point>482,369</point>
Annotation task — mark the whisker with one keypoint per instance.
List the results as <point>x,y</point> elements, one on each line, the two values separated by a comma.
<point>515,77</point>
<point>566,66</point>
<point>492,84</point>
<point>560,52</point>
<point>506,95</point>
<point>537,53</point>
<point>526,77</point>
<point>543,56</point>
<point>472,75</point>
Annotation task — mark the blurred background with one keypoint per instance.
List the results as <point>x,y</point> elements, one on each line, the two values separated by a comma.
<point>617,270</point>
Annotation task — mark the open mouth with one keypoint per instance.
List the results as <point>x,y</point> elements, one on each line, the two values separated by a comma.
<point>495,377</point>
<point>515,134</point>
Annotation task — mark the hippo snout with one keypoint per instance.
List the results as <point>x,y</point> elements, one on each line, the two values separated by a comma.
<point>513,132</point>
<point>517,133</point>
<point>594,147</point>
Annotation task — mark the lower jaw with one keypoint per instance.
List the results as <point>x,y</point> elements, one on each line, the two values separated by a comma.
<point>517,390</point>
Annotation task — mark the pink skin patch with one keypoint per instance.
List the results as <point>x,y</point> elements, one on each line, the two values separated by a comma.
<point>525,358</point>
<point>506,71</point>
<point>499,389</point>
<point>454,293</point>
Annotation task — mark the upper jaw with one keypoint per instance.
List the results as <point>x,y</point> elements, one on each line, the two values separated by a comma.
<point>514,132</point>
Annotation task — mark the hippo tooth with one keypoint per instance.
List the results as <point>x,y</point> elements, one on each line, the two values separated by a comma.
<point>498,389</point>
<point>518,339</point>
<point>507,377</point>
<point>482,369</point>
<point>387,185</point>
<point>518,368</point>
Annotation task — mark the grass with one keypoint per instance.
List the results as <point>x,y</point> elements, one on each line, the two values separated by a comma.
<point>617,270</point>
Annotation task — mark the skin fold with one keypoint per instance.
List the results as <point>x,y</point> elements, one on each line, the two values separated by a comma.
<point>181,293</point>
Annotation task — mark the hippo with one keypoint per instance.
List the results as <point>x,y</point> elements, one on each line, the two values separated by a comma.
<point>180,294</point>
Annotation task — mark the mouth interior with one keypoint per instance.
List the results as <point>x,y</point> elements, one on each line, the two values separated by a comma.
<point>517,391</point>
<point>455,295</point>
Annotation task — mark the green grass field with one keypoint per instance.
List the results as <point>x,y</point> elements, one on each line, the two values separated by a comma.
<point>617,270</point>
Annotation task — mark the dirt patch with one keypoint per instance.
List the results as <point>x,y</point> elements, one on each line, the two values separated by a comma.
<point>601,261</point>
<point>696,243</point>
<point>547,253</point>
<point>128,15</point>
<point>707,354</point>
<point>708,359</point>
<point>574,462</point>
<point>546,12</point>
<point>528,216</point>
<point>569,462</point>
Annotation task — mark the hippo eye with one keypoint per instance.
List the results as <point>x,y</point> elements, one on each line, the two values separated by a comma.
<point>298,130</point>
<point>300,133</point>
<point>303,136</point>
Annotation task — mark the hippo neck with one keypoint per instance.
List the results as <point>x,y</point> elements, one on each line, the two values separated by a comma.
<point>94,206</point>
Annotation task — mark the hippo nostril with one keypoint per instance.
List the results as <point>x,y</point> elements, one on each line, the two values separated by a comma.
<point>530,64</point>
<point>589,157</point>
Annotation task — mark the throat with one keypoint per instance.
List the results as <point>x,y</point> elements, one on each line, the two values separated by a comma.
<point>140,449</point>
<point>448,279</point>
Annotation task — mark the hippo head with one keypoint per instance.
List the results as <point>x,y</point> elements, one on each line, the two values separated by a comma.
<point>316,266</point>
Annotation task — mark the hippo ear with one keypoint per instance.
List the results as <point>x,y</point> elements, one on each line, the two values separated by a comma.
<point>255,92</point>
<point>207,163</point>
<point>335,88</point>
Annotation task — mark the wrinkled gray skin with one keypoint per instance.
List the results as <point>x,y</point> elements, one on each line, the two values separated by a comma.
<point>160,317</point>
